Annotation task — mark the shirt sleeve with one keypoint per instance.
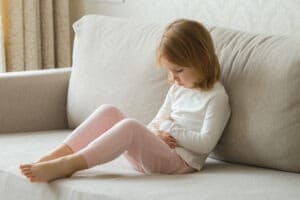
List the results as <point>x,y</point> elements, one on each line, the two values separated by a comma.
<point>164,110</point>
<point>204,140</point>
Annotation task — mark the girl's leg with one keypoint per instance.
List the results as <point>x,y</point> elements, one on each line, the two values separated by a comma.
<point>128,136</point>
<point>144,150</point>
<point>102,119</point>
<point>60,151</point>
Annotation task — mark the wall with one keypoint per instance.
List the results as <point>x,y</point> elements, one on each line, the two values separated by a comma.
<point>262,16</point>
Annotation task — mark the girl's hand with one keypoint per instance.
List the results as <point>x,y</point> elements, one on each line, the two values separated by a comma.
<point>168,139</point>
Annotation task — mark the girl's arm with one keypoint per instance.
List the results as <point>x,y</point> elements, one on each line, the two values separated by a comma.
<point>204,140</point>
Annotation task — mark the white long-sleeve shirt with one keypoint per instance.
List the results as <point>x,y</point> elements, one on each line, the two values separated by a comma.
<point>199,118</point>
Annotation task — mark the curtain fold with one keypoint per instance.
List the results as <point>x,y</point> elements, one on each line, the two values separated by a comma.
<point>2,55</point>
<point>37,34</point>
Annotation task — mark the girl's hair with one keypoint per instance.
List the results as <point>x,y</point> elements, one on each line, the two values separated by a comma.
<point>187,43</point>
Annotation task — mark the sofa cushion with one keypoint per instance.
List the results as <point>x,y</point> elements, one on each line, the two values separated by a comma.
<point>261,74</point>
<point>118,180</point>
<point>113,62</point>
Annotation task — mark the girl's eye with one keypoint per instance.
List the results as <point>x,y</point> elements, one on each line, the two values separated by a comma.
<point>180,70</point>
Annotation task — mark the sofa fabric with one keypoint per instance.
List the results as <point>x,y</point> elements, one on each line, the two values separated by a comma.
<point>261,75</point>
<point>34,100</point>
<point>118,180</point>
<point>114,62</point>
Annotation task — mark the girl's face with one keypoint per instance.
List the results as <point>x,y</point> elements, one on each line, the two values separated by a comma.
<point>183,76</point>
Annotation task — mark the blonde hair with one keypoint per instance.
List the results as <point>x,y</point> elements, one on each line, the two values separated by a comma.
<point>187,43</point>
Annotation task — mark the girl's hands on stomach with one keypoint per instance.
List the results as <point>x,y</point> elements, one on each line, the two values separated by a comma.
<point>168,139</point>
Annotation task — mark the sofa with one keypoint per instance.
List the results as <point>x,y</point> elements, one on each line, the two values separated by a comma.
<point>257,157</point>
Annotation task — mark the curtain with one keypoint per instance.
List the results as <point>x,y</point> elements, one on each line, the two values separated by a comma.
<point>37,34</point>
<point>2,55</point>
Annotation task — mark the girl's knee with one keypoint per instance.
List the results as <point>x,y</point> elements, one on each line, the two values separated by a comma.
<point>109,109</point>
<point>131,126</point>
<point>129,122</point>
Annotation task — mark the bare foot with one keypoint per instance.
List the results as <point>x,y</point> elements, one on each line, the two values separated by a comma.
<point>61,151</point>
<point>53,169</point>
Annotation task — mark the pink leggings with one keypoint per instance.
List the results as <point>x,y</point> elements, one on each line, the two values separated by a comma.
<point>106,134</point>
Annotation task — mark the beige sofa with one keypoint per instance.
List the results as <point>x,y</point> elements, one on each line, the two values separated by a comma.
<point>114,64</point>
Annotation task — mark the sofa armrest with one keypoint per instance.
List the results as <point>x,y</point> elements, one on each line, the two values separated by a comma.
<point>34,100</point>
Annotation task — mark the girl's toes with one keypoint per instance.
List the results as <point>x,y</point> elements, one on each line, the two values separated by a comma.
<point>24,173</point>
<point>21,167</point>
<point>28,174</point>
<point>25,166</point>
<point>24,170</point>
<point>32,179</point>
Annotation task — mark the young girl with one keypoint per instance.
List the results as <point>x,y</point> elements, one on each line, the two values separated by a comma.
<point>179,138</point>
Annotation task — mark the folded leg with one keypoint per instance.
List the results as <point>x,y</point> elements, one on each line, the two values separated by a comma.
<point>102,119</point>
<point>144,150</point>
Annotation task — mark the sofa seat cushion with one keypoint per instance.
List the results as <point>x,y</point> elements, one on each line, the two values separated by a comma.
<point>118,180</point>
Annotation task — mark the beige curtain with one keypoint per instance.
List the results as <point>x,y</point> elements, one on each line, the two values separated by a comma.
<point>36,34</point>
<point>2,55</point>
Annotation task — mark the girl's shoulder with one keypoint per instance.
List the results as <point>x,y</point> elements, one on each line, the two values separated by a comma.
<point>218,91</point>
<point>219,88</point>
<point>219,94</point>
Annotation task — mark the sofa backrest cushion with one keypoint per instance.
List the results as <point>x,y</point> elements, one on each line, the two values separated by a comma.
<point>114,63</point>
<point>261,74</point>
